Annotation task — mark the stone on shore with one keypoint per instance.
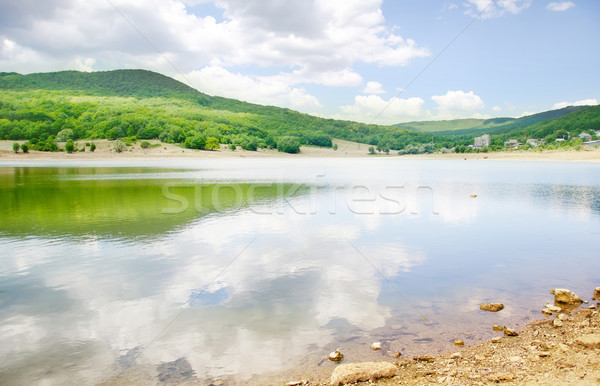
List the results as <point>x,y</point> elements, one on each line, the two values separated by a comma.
<point>361,372</point>
<point>553,309</point>
<point>510,332</point>
<point>562,295</point>
<point>492,307</point>
<point>589,341</point>
<point>597,293</point>
<point>497,327</point>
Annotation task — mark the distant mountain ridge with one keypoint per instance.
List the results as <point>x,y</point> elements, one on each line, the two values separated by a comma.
<point>501,125</point>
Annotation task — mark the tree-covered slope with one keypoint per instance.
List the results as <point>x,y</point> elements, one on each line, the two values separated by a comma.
<point>146,105</point>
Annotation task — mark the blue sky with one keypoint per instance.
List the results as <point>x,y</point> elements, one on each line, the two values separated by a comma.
<point>347,59</point>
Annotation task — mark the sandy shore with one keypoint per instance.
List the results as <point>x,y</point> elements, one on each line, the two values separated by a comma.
<point>345,149</point>
<point>562,349</point>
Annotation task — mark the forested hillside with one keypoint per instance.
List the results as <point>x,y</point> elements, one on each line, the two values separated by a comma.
<point>147,105</point>
<point>136,104</point>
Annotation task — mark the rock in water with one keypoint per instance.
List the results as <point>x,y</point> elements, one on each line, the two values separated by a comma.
<point>510,332</point>
<point>376,346</point>
<point>361,372</point>
<point>459,342</point>
<point>336,356</point>
<point>497,328</point>
<point>562,295</point>
<point>597,293</point>
<point>492,307</point>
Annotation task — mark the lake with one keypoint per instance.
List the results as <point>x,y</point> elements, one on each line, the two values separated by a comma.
<point>252,270</point>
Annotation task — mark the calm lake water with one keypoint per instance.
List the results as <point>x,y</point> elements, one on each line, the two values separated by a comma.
<point>253,270</point>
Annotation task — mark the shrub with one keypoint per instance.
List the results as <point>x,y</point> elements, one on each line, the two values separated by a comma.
<point>119,146</point>
<point>335,146</point>
<point>25,148</point>
<point>289,145</point>
<point>232,146</point>
<point>69,146</point>
<point>16,147</point>
<point>145,144</point>
<point>92,147</point>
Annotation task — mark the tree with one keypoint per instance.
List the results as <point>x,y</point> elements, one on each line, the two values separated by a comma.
<point>69,146</point>
<point>92,147</point>
<point>196,142</point>
<point>289,145</point>
<point>64,135</point>
<point>115,133</point>
<point>16,147</point>
<point>212,143</point>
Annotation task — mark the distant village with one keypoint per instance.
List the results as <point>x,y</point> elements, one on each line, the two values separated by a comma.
<point>486,141</point>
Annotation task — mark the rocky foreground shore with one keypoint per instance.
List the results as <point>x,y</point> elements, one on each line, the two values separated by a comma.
<point>563,349</point>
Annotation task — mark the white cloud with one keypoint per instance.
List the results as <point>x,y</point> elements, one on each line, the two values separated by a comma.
<point>495,8</point>
<point>315,37</point>
<point>373,107</point>
<point>583,102</point>
<point>458,103</point>
<point>374,88</point>
<point>216,80</point>
<point>496,108</point>
<point>560,6</point>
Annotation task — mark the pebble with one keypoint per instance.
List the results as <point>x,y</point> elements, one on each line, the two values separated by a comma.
<point>510,332</point>
<point>544,354</point>
<point>552,308</point>
<point>397,354</point>
<point>424,358</point>
<point>497,340</point>
<point>298,383</point>
<point>516,359</point>
<point>557,323</point>
<point>456,355</point>
<point>491,307</point>
<point>336,356</point>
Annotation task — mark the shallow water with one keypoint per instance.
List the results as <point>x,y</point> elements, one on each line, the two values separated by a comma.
<point>255,269</point>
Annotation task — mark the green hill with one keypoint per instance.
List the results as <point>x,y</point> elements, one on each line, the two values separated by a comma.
<point>146,105</point>
<point>142,104</point>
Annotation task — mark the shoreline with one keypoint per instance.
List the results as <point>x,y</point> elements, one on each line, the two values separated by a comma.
<point>563,348</point>
<point>346,149</point>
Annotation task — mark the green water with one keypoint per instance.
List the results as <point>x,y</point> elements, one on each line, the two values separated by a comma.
<point>117,202</point>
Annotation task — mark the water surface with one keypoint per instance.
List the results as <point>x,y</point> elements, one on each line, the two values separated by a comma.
<point>252,270</point>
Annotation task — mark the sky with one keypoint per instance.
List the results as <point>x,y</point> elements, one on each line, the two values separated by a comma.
<point>373,61</point>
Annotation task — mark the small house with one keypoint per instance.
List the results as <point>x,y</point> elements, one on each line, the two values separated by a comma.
<point>512,144</point>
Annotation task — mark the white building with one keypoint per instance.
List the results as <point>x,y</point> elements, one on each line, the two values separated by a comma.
<point>484,140</point>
